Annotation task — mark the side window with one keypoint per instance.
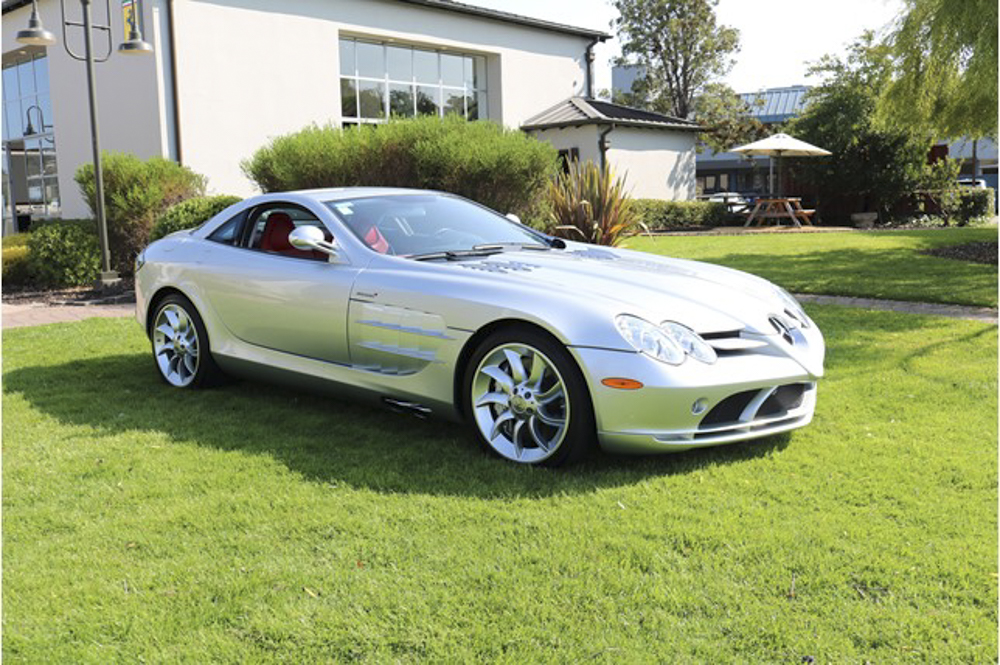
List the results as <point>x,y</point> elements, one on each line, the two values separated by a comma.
<point>228,233</point>
<point>269,226</point>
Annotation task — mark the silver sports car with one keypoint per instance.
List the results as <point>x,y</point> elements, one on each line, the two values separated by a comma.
<point>435,305</point>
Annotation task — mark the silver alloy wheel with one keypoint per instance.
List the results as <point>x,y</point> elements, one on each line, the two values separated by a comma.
<point>520,403</point>
<point>175,343</point>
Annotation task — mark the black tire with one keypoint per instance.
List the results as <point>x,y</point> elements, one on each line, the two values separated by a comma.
<point>202,372</point>
<point>521,443</point>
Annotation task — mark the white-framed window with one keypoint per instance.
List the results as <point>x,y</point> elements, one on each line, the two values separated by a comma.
<point>30,175</point>
<point>379,81</point>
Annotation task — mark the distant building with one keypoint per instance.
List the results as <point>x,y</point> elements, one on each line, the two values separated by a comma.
<point>655,152</point>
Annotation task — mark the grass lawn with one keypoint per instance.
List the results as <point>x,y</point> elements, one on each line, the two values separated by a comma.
<point>884,264</point>
<point>250,523</point>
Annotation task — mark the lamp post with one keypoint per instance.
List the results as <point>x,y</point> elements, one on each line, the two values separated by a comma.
<point>36,35</point>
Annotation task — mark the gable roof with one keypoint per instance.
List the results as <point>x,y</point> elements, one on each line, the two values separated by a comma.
<point>579,111</point>
<point>453,6</point>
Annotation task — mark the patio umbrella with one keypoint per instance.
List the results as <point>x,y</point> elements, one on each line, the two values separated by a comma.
<point>780,145</point>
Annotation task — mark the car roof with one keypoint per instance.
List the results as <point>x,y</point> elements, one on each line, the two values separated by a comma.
<point>341,193</point>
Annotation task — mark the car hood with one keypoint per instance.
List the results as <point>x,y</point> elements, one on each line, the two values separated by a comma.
<point>704,297</point>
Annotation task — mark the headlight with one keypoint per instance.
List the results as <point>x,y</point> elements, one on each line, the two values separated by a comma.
<point>690,341</point>
<point>792,306</point>
<point>669,343</point>
<point>649,339</point>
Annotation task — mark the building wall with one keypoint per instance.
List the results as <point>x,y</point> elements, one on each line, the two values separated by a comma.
<point>583,139</point>
<point>659,164</point>
<point>250,70</point>
<point>129,108</point>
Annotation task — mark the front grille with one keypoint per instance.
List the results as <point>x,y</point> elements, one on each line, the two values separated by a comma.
<point>746,407</point>
<point>729,409</point>
<point>785,398</point>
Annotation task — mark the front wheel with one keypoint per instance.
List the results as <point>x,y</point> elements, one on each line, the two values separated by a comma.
<point>526,399</point>
<point>180,345</point>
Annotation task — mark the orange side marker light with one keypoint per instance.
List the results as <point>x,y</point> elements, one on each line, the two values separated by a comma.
<point>622,384</point>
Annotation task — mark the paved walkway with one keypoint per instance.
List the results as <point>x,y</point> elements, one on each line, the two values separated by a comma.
<point>37,314</point>
<point>984,314</point>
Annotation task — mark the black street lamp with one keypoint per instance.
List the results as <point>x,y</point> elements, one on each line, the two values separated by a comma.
<point>37,35</point>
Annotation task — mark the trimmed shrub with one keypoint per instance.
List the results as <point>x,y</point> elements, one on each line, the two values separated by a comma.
<point>190,214</point>
<point>974,205</point>
<point>658,215</point>
<point>500,168</point>
<point>64,253</point>
<point>590,204</point>
<point>135,192</point>
<point>16,268</point>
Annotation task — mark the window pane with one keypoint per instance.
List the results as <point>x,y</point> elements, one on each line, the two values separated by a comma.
<point>371,60</point>
<point>452,70</point>
<point>26,78</point>
<point>480,72</point>
<point>400,100</point>
<point>347,57</point>
<point>32,158</point>
<point>472,106</point>
<point>454,101</point>
<point>35,191</point>
<point>52,192</point>
<point>48,159</point>
<point>400,63</point>
<point>348,98</point>
<point>371,94</point>
<point>15,129</point>
<point>482,106</point>
<point>46,115</point>
<point>724,182</point>
<point>427,100</point>
<point>425,66</point>
<point>10,90</point>
<point>42,74</point>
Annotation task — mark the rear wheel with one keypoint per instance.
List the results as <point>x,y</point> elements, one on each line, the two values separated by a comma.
<point>180,345</point>
<point>526,399</point>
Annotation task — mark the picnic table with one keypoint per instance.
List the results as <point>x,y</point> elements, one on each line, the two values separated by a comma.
<point>779,209</point>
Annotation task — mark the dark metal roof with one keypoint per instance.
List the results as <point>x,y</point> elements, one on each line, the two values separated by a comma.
<point>776,104</point>
<point>579,111</point>
<point>452,6</point>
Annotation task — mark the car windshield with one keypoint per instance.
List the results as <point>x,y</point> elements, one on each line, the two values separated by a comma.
<point>418,225</point>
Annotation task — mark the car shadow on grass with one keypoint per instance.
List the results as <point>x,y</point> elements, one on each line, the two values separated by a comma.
<point>328,440</point>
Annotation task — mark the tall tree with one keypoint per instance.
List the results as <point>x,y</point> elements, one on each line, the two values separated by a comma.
<point>945,68</point>
<point>727,118</point>
<point>874,163</point>
<point>678,46</point>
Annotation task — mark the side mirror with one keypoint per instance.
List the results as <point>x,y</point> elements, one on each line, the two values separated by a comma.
<point>514,218</point>
<point>311,237</point>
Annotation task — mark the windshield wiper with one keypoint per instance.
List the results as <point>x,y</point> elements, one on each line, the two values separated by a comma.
<point>501,246</point>
<point>455,254</point>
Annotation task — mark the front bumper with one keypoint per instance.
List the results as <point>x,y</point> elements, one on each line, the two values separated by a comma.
<point>740,397</point>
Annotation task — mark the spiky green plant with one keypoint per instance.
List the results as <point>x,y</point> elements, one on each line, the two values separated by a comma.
<point>590,203</point>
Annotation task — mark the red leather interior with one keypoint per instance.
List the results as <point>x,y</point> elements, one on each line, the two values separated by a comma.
<point>275,237</point>
<point>376,240</point>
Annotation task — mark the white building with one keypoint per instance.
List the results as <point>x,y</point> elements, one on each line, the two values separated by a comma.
<point>227,75</point>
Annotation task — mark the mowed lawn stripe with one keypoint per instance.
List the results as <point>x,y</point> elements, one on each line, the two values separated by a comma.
<point>887,264</point>
<point>255,523</point>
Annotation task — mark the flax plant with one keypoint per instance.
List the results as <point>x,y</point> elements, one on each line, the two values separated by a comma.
<point>590,203</point>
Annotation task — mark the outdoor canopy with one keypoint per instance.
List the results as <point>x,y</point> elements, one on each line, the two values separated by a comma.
<point>780,145</point>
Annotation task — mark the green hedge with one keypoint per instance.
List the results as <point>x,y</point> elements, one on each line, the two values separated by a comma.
<point>16,268</point>
<point>190,214</point>
<point>500,168</point>
<point>64,253</point>
<point>974,205</point>
<point>136,191</point>
<point>658,215</point>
